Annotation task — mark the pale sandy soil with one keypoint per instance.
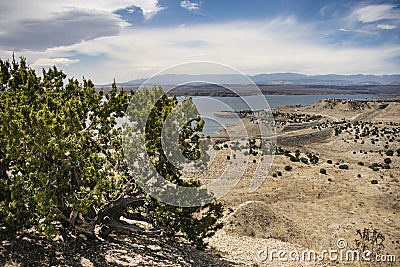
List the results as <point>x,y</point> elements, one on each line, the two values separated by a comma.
<point>306,208</point>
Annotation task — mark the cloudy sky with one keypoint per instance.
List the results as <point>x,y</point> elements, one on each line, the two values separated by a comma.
<point>128,39</point>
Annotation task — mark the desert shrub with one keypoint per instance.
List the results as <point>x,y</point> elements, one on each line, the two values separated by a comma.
<point>375,166</point>
<point>385,166</point>
<point>389,153</point>
<point>274,175</point>
<point>374,181</point>
<point>313,158</point>
<point>344,167</point>
<point>293,158</point>
<point>359,175</point>
<point>288,168</point>
<point>304,160</point>
<point>387,160</point>
<point>322,171</point>
<point>329,161</point>
<point>235,146</point>
<point>361,163</point>
<point>279,173</point>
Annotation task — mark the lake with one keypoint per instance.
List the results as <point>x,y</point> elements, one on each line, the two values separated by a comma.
<point>208,105</point>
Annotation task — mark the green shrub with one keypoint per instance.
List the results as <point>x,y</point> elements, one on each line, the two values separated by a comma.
<point>344,167</point>
<point>387,160</point>
<point>304,160</point>
<point>389,153</point>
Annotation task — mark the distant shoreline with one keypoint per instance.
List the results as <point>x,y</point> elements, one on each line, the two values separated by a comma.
<point>223,90</point>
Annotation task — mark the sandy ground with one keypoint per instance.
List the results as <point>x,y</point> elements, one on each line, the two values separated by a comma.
<point>304,207</point>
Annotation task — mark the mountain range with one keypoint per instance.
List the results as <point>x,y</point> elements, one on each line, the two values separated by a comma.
<point>270,79</point>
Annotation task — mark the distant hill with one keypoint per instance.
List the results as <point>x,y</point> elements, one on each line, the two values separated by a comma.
<point>328,79</point>
<point>271,79</point>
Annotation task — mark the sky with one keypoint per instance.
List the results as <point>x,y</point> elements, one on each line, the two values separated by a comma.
<point>130,39</point>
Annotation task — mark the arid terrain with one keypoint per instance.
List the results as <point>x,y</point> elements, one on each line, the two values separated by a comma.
<point>343,177</point>
<point>335,175</point>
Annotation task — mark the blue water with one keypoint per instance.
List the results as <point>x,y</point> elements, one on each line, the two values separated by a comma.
<point>208,105</point>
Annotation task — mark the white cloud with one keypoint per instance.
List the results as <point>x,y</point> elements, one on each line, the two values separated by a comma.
<point>149,7</point>
<point>46,62</point>
<point>191,6</point>
<point>65,28</point>
<point>372,13</point>
<point>280,45</point>
<point>42,9</point>
<point>386,26</point>
<point>42,24</point>
<point>276,46</point>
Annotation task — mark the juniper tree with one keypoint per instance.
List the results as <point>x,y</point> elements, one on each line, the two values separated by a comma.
<point>62,163</point>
